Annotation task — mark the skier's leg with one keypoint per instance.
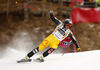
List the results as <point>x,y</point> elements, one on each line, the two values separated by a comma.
<point>30,54</point>
<point>43,45</point>
<point>50,50</point>
<point>47,52</point>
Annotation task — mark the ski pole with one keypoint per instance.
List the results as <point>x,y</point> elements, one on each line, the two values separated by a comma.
<point>67,51</point>
<point>30,6</point>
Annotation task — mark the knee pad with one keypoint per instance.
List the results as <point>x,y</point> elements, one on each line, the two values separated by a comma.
<point>30,54</point>
<point>46,53</point>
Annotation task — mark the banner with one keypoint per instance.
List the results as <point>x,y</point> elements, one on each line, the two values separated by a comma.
<point>79,15</point>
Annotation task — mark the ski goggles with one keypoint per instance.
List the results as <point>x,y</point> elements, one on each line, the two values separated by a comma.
<point>67,24</point>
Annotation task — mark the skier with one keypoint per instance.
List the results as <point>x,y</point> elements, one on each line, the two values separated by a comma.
<point>60,33</point>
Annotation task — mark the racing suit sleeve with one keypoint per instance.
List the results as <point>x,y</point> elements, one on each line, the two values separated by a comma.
<point>54,19</point>
<point>74,40</point>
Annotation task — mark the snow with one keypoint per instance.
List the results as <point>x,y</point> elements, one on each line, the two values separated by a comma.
<point>88,60</point>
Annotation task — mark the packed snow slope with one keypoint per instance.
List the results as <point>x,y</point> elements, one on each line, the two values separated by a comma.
<point>88,60</point>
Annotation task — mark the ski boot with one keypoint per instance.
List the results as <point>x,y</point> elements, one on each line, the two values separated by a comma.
<point>40,59</point>
<point>25,59</point>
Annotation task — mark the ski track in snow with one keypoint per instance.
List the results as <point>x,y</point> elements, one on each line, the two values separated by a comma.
<point>88,60</point>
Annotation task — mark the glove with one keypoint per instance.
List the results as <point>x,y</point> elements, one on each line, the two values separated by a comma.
<point>51,11</point>
<point>79,49</point>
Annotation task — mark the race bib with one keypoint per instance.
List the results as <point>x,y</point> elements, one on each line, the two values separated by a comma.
<point>58,35</point>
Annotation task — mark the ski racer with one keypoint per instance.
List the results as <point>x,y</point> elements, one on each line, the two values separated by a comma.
<point>61,32</point>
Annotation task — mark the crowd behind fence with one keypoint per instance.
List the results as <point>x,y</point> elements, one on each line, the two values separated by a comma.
<point>8,6</point>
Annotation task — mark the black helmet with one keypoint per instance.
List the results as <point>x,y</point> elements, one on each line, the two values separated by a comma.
<point>67,21</point>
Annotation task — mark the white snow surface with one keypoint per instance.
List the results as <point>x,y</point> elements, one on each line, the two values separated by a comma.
<point>88,60</point>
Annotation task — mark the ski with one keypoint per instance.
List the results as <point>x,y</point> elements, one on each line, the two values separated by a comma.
<point>39,60</point>
<point>27,60</point>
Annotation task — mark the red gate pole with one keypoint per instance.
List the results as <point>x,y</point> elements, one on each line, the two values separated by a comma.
<point>74,35</point>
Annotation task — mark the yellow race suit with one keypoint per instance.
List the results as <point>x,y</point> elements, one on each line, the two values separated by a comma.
<point>53,40</point>
<point>58,35</point>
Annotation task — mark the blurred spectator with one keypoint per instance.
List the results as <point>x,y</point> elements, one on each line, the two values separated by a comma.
<point>72,3</point>
<point>89,3</point>
<point>54,1</point>
<point>66,2</point>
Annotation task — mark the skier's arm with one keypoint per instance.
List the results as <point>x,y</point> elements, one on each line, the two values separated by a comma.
<point>74,41</point>
<point>54,18</point>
